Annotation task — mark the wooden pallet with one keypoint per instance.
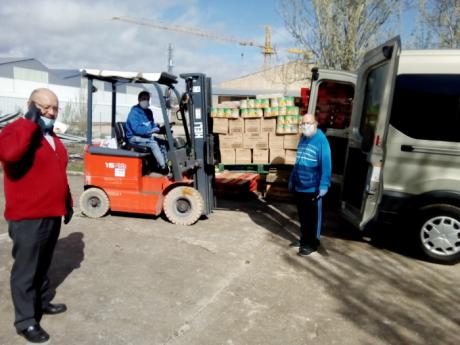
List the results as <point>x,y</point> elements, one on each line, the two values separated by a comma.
<point>236,184</point>
<point>257,168</point>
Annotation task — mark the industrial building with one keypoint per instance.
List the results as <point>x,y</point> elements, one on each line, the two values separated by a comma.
<point>19,76</point>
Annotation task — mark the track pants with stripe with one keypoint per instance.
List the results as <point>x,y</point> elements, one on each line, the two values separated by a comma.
<point>309,208</point>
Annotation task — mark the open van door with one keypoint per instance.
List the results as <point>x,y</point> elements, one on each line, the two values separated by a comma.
<point>331,100</point>
<point>365,157</point>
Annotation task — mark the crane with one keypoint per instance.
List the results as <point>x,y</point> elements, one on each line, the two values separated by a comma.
<point>267,49</point>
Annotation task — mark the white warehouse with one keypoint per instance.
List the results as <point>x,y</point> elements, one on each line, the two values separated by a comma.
<point>19,76</point>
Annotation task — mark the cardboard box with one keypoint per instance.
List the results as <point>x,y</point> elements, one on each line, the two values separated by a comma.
<point>251,125</point>
<point>236,126</point>
<point>290,156</point>
<point>230,141</point>
<point>291,141</point>
<point>220,125</point>
<point>227,156</point>
<point>255,141</point>
<point>275,141</point>
<point>268,126</point>
<point>260,156</point>
<point>277,156</point>
<point>243,156</point>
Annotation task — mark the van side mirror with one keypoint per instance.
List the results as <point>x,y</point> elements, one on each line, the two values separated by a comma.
<point>314,73</point>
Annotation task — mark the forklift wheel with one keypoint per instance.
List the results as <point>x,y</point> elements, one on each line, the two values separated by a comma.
<point>183,205</point>
<point>94,203</point>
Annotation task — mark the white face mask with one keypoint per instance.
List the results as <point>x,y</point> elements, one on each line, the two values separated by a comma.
<point>308,130</point>
<point>46,123</point>
<point>144,104</point>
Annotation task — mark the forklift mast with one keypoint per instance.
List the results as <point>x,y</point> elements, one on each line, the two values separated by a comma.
<point>198,88</point>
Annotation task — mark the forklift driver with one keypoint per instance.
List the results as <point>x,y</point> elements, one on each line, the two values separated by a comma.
<point>140,130</point>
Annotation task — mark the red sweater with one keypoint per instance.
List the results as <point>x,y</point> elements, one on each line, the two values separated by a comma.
<point>34,174</point>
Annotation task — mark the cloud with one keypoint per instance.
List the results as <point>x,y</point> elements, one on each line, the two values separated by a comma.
<point>81,34</point>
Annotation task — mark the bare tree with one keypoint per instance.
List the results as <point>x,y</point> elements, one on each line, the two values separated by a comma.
<point>442,17</point>
<point>337,32</point>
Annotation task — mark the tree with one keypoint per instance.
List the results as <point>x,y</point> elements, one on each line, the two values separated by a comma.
<point>442,17</point>
<point>337,32</point>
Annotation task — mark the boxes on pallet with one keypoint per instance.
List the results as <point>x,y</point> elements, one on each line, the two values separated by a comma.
<point>243,156</point>
<point>268,126</point>
<point>231,141</point>
<point>259,156</point>
<point>255,141</point>
<point>291,141</point>
<point>219,125</point>
<point>290,156</point>
<point>277,156</point>
<point>236,126</point>
<point>275,141</point>
<point>251,125</point>
<point>227,156</point>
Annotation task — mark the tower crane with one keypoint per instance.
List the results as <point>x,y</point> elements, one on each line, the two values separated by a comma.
<point>267,49</point>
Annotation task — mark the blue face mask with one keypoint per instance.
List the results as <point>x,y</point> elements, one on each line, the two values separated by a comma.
<point>46,123</point>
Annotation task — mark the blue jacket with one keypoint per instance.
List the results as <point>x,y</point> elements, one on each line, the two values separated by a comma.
<point>312,169</point>
<point>140,123</point>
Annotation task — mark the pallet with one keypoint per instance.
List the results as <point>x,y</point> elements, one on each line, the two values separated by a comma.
<point>256,168</point>
<point>236,184</point>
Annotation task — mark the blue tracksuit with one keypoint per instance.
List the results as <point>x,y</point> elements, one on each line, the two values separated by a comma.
<point>311,173</point>
<point>140,123</point>
<point>312,169</point>
<point>139,129</point>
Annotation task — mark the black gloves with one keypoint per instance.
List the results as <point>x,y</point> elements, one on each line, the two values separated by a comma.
<point>33,114</point>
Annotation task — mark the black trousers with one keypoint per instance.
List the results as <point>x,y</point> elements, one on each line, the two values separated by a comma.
<point>309,208</point>
<point>34,241</point>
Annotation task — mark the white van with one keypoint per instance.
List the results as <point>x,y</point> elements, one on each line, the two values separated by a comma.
<point>394,131</point>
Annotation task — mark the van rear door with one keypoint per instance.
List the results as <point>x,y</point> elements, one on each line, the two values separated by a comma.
<point>365,156</point>
<point>331,100</point>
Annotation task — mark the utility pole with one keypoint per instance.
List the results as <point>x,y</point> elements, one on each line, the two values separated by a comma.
<point>170,58</point>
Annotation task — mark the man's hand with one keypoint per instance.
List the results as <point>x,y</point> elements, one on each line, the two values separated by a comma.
<point>155,129</point>
<point>68,215</point>
<point>322,193</point>
<point>33,114</point>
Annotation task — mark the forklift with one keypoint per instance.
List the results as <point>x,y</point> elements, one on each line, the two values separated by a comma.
<point>124,179</point>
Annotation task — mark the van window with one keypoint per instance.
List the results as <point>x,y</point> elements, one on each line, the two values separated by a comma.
<point>427,106</point>
<point>375,86</point>
<point>333,106</point>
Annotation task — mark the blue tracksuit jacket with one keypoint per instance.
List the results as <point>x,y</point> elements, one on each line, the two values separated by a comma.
<point>140,123</point>
<point>312,169</point>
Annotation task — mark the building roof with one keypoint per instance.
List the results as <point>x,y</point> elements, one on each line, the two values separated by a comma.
<point>5,60</point>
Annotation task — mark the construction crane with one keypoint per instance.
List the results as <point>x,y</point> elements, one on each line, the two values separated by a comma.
<point>267,49</point>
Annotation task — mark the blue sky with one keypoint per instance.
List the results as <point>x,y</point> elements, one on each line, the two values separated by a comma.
<point>81,34</point>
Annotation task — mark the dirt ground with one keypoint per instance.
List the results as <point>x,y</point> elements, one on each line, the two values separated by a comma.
<point>231,279</point>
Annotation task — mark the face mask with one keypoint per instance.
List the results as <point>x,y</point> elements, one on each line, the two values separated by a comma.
<point>144,104</point>
<point>46,123</point>
<point>309,130</point>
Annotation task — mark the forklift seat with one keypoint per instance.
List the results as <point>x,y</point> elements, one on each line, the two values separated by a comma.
<point>123,142</point>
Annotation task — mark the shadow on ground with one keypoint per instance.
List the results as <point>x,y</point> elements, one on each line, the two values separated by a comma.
<point>68,256</point>
<point>393,297</point>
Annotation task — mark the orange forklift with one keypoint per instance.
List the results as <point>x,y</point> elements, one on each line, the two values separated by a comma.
<point>124,179</point>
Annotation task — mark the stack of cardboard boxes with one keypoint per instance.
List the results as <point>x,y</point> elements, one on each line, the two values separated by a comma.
<point>246,140</point>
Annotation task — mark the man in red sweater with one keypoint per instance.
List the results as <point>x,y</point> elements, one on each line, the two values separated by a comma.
<point>37,195</point>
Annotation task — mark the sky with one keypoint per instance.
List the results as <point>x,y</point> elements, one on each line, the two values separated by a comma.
<point>81,34</point>
<point>73,34</point>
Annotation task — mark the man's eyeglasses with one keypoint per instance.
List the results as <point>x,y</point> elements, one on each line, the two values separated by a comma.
<point>47,107</point>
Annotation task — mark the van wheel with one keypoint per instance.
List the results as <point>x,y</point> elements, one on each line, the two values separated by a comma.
<point>183,205</point>
<point>439,232</point>
<point>94,203</point>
